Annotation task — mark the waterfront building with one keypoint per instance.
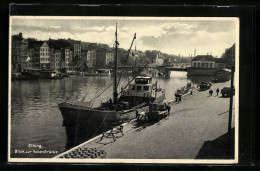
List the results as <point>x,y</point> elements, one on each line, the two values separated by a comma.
<point>203,61</point>
<point>36,62</point>
<point>77,49</point>
<point>31,57</point>
<point>34,51</point>
<point>68,57</point>
<point>19,53</point>
<point>208,61</point>
<point>220,63</point>
<point>83,60</point>
<point>104,58</point>
<point>91,58</point>
<point>55,56</point>
<point>109,58</point>
<point>44,56</point>
<point>159,59</point>
<point>230,55</point>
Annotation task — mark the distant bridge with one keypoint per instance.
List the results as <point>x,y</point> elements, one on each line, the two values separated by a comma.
<point>164,69</point>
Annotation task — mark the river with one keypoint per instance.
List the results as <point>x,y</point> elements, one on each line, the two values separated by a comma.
<point>36,122</point>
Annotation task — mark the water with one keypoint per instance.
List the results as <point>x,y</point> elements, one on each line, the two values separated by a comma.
<point>35,116</point>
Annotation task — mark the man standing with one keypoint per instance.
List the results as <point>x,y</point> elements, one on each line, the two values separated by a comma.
<point>210,92</point>
<point>217,91</point>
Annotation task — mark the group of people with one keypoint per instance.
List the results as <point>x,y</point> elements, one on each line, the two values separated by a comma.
<point>211,92</point>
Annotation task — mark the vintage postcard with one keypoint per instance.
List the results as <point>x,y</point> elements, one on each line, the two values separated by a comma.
<point>123,89</point>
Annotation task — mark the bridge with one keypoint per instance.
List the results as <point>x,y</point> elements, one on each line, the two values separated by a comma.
<point>164,69</point>
<point>168,69</point>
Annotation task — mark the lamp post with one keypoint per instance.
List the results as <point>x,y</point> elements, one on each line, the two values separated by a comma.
<point>231,63</point>
<point>231,100</point>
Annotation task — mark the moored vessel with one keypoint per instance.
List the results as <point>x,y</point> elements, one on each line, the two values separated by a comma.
<point>82,121</point>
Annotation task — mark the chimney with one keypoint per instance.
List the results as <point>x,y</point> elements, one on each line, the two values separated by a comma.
<point>20,35</point>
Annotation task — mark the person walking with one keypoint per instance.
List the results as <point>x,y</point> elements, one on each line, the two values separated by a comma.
<point>176,97</point>
<point>217,91</point>
<point>210,92</point>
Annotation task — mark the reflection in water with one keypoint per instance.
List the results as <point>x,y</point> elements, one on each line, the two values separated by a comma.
<point>36,118</point>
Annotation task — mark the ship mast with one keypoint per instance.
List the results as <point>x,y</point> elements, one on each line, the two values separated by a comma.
<point>115,69</point>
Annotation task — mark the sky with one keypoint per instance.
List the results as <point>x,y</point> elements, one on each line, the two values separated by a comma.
<point>169,35</point>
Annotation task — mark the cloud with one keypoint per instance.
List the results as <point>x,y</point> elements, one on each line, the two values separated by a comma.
<point>55,27</point>
<point>169,36</point>
<point>176,26</point>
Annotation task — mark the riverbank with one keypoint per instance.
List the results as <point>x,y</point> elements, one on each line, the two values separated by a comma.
<point>198,118</point>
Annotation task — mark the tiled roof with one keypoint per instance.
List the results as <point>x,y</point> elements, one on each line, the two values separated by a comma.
<point>209,58</point>
<point>203,58</point>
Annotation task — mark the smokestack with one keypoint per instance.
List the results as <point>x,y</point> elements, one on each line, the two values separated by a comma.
<point>20,35</point>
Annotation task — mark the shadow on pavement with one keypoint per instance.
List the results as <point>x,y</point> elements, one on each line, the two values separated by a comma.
<point>218,148</point>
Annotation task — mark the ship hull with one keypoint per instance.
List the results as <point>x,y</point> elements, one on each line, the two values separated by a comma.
<point>82,122</point>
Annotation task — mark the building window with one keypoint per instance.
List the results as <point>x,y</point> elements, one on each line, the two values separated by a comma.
<point>146,88</point>
<point>139,88</point>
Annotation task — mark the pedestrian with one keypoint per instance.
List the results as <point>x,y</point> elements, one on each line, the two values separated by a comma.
<point>179,97</point>
<point>176,97</point>
<point>211,92</point>
<point>190,92</point>
<point>217,91</point>
<point>168,108</point>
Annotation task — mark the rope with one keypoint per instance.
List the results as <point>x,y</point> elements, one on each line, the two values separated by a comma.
<point>86,92</point>
<point>126,58</point>
<point>92,102</point>
<point>101,93</point>
<point>100,125</point>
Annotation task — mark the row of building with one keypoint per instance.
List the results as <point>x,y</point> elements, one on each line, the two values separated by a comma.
<point>55,55</point>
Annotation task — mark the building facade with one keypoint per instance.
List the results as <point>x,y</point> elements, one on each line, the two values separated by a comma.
<point>109,58</point>
<point>230,55</point>
<point>68,57</point>
<point>91,58</point>
<point>159,59</point>
<point>101,58</point>
<point>31,58</point>
<point>203,61</point>
<point>19,53</point>
<point>77,49</point>
<point>44,56</point>
<point>55,56</point>
<point>36,61</point>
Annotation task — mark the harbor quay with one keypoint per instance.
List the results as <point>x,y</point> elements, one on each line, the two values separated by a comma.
<point>195,129</point>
